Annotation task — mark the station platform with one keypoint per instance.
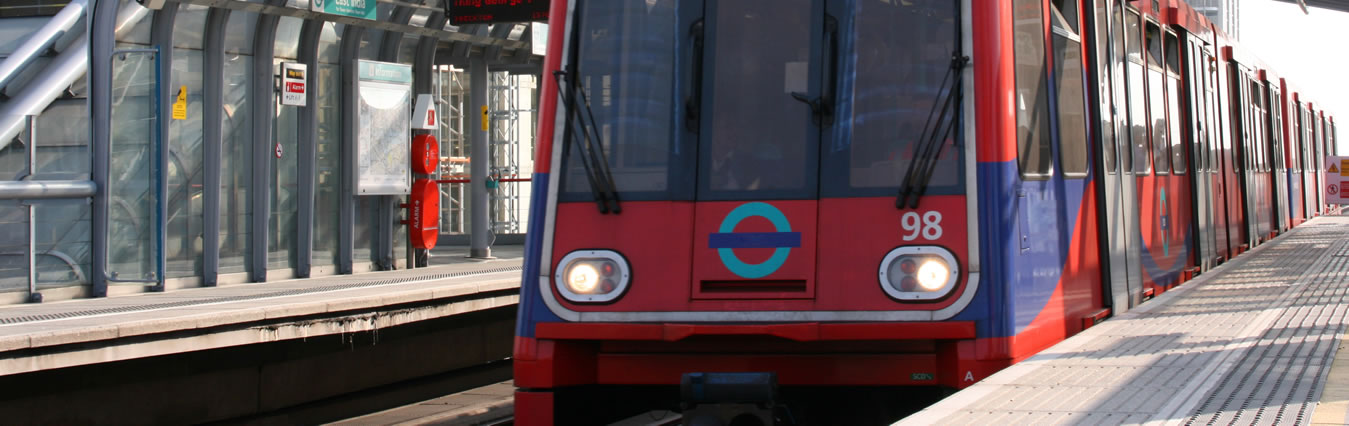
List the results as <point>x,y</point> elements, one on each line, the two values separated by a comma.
<point>73,333</point>
<point>1254,341</point>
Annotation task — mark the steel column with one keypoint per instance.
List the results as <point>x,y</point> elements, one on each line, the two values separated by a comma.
<point>263,97</point>
<point>101,27</point>
<point>307,122</point>
<point>161,36</point>
<point>350,50</point>
<point>31,169</point>
<point>212,86</point>
<point>478,158</point>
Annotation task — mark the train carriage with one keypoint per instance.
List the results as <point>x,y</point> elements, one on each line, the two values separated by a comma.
<point>864,194</point>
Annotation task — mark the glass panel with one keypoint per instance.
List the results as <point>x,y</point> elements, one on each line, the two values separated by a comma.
<point>236,145</point>
<point>288,37</point>
<point>185,173</point>
<point>139,34</point>
<point>900,57</point>
<point>62,225</point>
<point>759,138</point>
<point>328,167</point>
<point>188,25</point>
<point>285,185</point>
<point>1032,92</point>
<point>13,230</point>
<point>624,66</point>
<point>131,184</point>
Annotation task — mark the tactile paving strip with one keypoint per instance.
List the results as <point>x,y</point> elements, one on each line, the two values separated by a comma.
<point>1249,343</point>
<point>1278,381</point>
<point>340,283</point>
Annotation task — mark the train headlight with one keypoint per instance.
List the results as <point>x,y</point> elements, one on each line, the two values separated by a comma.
<point>919,273</point>
<point>592,276</point>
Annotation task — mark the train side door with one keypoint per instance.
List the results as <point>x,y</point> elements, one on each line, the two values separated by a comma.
<point>1275,147</point>
<point>757,109</point>
<point>1201,171</point>
<point>1118,203</point>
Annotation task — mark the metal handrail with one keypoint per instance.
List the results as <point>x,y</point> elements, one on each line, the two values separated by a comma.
<point>69,66</point>
<point>40,41</point>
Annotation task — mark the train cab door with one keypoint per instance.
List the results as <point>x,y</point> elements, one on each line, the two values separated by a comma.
<point>1116,190</point>
<point>756,106</point>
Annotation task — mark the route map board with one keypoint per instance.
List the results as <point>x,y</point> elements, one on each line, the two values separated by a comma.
<point>492,11</point>
<point>384,138</point>
<point>1337,180</point>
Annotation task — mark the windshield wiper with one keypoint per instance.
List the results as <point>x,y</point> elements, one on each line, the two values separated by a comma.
<point>586,130</point>
<point>932,140</point>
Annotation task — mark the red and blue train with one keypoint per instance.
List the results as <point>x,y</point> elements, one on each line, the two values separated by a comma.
<point>868,193</point>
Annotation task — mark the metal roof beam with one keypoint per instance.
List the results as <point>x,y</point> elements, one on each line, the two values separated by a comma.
<point>436,33</point>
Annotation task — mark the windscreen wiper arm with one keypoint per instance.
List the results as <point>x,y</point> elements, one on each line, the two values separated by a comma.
<point>932,140</point>
<point>585,130</point>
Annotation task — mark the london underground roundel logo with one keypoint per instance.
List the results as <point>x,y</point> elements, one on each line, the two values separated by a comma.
<point>726,240</point>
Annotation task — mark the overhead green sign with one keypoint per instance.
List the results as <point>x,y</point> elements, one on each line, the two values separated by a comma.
<point>354,8</point>
<point>384,71</point>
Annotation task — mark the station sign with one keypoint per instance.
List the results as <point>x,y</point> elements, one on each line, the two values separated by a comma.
<point>463,12</point>
<point>424,113</point>
<point>384,135</point>
<point>1337,180</point>
<point>293,90</point>
<point>364,9</point>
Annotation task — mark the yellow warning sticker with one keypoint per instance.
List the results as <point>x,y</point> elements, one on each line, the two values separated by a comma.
<point>180,105</point>
<point>1344,167</point>
<point>484,118</point>
<point>1333,169</point>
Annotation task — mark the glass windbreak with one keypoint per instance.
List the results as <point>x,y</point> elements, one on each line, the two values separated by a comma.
<point>896,70</point>
<point>132,178</point>
<point>624,51</point>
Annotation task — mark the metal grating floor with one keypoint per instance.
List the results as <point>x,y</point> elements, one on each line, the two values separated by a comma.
<point>1250,342</point>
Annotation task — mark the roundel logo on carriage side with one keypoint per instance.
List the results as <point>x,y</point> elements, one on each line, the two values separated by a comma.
<point>726,240</point>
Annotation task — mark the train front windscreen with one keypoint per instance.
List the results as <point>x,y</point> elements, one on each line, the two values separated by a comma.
<point>762,99</point>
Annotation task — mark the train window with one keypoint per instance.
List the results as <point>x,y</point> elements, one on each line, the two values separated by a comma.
<point>758,140</point>
<point>1307,162</point>
<point>1173,103</point>
<point>1258,142</point>
<point>1276,130</point>
<point>1137,100</point>
<point>1034,155</point>
<point>1072,114</point>
<point>1065,12</point>
<point>1105,83</point>
<point>1156,100</point>
<point>1154,43</point>
<point>901,56</point>
<point>621,72</point>
<point>1118,63</point>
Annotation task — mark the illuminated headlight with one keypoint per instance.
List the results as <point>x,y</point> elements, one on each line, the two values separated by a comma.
<point>592,276</point>
<point>919,273</point>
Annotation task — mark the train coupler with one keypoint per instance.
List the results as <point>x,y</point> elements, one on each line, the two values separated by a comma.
<point>729,398</point>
